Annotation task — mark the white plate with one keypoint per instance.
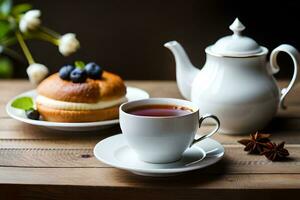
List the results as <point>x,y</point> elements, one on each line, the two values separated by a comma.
<point>115,152</point>
<point>132,94</point>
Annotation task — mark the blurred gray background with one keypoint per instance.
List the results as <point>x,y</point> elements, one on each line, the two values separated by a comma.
<point>127,37</point>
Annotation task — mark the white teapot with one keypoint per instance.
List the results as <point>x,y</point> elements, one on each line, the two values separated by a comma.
<point>236,83</point>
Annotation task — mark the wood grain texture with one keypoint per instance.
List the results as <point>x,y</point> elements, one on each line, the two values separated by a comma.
<point>114,178</point>
<point>12,130</point>
<point>44,164</point>
<point>53,192</point>
<point>236,161</point>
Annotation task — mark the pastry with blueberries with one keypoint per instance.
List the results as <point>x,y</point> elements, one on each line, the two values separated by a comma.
<point>80,93</point>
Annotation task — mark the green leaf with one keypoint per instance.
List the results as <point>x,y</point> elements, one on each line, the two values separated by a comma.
<point>21,8</point>
<point>6,68</point>
<point>4,29</point>
<point>5,7</point>
<point>79,64</point>
<point>24,103</point>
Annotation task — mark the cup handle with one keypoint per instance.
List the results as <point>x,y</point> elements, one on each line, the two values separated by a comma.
<point>294,54</point>
<point>202,118</point>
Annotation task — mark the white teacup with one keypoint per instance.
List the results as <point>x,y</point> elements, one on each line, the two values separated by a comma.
<point>162,139</point>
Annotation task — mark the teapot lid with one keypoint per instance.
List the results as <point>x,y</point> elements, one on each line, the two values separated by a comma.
<point>236,45</point>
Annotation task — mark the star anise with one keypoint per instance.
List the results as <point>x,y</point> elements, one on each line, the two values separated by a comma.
<point>275,152</point>
<point>256,143</point>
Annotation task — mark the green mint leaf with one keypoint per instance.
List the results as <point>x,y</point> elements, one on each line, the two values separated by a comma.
<point>79,64</point>
<point>24,103</point>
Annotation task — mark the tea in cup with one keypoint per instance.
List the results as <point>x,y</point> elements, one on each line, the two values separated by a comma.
<point>159,130</point>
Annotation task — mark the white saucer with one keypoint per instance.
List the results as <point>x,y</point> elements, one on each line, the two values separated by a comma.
<point>114,151</point>
<point>132,94</point>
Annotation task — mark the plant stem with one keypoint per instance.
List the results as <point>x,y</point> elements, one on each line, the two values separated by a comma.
<point>46,37</point>
<point>50,32</point>
<point>13,54</point>
<point>24,48</point>
<point>8,42</point>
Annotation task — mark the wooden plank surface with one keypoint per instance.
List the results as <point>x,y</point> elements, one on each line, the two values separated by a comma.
<point>234,162</point>
<point>111,177</point>
<point>32,158</point>
<point>53,192</point>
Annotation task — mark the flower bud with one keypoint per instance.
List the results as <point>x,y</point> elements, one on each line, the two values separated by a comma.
<point>37,72</point>
<point>30,20</point>
<point>68,44</point>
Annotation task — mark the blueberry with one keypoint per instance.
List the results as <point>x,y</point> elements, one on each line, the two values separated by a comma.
<point>93,70</point>
<point>64,72</point>
<point>78,75</point>
<point>32,114</point>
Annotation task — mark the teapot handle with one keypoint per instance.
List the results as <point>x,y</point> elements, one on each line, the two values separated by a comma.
<point>294,54</point>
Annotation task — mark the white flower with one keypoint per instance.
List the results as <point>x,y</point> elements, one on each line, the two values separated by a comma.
<point>68,44</point>
<point>37,72</point>
<point>30,20</point>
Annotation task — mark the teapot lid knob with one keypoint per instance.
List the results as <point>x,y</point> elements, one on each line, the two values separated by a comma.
<point>236,45</point>
<point>237,27</point>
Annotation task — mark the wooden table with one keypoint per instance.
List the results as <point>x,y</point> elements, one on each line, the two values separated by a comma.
<point>39,164</point>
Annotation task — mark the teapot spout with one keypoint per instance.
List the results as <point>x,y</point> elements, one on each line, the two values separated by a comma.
<point>185,71</point>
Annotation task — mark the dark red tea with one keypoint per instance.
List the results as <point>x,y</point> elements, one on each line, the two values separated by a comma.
<point>159,110</point>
